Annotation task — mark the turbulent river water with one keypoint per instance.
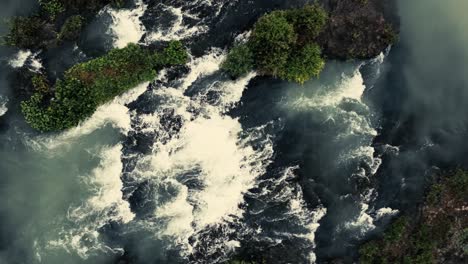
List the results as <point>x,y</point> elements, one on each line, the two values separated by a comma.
<point>196,168</point>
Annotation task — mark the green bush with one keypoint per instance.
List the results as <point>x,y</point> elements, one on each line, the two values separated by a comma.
<point>303,65</point>
<point>87,85</point>
<point>283,45</point>
<point>173,54</point>
<point>239,61</point>
<point>71,29</point>
<point>369,252</point>
<point>272,39</point>
<point>51,8</point>
<point>308,21</point>
<point>25,32</point>
<point>40,84</point>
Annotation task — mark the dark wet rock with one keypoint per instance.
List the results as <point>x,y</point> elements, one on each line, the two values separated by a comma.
<point>358,29</point>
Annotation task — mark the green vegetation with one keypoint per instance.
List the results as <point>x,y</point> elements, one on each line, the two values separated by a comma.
<point>55,20</point>
<point>87,85</point>
<point>25,32</point>
<point>51,8</point>
<point>439,234</point>
<point>272,40</point>
<point>303,65</point>
<point>240,61</point>
<point>308,22</point>
<point>71,29</point>
<point>283,45</point>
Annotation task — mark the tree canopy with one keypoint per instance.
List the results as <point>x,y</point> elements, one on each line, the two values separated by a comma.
<point>282,45</point>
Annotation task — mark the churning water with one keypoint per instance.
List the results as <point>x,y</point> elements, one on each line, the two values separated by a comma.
<point>195,167</point>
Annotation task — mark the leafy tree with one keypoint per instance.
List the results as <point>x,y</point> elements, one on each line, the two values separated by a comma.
<point>308,21</point>
<point>52,8</point>
<point>271,41</point>
<point>71,29</point>
<point>303,65</point>
<point>239,61</point>
<point>40,83</point>
<point>173,54</point>
<point>282,44</point>
<point>25,32</point>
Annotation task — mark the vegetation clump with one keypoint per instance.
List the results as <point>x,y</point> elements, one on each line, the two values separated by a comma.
<point>292,44</point>
<point>51,8</point>
<point>87,85</point>
<point>71,29</point>
<point>56,20</point>
<point>438,235</point>
<point>282,45</point>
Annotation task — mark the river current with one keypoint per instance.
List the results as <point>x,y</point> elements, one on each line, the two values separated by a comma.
<point>194,167</point>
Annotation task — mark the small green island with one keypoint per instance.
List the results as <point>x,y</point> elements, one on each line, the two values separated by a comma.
<point>87,85</point>
<point>290,44</point>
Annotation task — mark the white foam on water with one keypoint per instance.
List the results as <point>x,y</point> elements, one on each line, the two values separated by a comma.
<point>363,222</point>
<point>203,66</point>
<point>385,212</point>
<point>25,56</point>
<point>115,113</point>
<point>178,30</point>
<point>349,87</point>
<point>36,63</point>
<point>353,121</point>
<point>127,27</point>
<point>104,205</point>
<point>366,219</point>
<point>209,149</point>
<point>3,105</point>
<point>308,218</point>
<point>20,58</point>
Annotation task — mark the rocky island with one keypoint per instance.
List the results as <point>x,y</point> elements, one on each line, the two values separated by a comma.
<point>294,44</point>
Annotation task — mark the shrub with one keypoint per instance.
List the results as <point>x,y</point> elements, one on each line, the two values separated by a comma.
<point>282,44</point>
<point>87,85</point>
<point>239,61</point>
<point>173,54</point>
<point>71,29</point>
<point>51,8</point>
<point>271,42</point>
<point>304,64</point>
<point>25,32</point>
<point>308,21</point>
<point>40,83</point>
